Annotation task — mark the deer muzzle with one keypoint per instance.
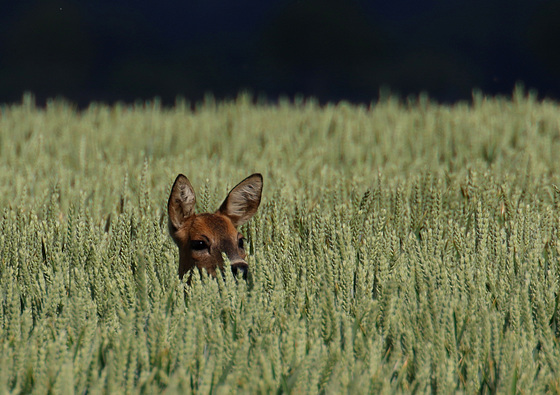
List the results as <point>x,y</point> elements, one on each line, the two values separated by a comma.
<point>240,268</point>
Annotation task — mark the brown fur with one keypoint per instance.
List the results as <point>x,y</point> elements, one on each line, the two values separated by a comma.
<point>217,231</point>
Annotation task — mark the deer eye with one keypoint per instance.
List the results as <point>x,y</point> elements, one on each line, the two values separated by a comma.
<point>241,243</point>
<point>198,245</point>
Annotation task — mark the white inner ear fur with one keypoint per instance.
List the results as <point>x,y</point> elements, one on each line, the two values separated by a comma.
<point>237,202</point>
<point>186,195</point>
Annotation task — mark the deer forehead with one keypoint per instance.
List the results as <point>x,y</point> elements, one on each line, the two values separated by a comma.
<point>215,227</point>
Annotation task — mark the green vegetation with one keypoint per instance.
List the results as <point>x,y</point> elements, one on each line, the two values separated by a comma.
<point>398,248</point>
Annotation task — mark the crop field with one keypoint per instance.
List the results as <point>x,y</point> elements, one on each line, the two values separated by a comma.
<point>400,247</point>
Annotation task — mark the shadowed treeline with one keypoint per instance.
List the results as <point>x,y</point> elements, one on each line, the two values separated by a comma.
<point>330,49</point>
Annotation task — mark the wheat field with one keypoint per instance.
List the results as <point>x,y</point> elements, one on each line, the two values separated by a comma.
<point>404,246</point>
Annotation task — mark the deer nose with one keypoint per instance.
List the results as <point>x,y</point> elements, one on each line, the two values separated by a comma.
<point>240,268</point>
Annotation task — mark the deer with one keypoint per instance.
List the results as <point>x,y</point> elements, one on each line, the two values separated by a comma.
<point>203,239</point>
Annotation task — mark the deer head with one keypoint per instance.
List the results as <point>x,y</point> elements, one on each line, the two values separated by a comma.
<point>202,238</point>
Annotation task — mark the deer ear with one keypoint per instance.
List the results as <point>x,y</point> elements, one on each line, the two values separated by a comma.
<point>243,200</point>
<point>181,203</point>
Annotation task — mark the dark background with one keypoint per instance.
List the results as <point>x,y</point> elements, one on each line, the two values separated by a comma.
<point>109,50</point>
